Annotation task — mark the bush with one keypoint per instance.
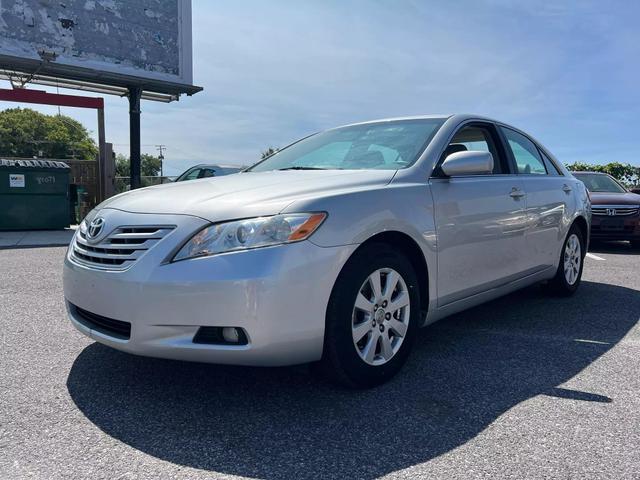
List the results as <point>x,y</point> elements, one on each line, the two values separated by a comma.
<point>626,173</point>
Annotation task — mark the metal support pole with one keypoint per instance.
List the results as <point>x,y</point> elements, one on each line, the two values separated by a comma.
<point>102,158</point>
<point>134,135</point>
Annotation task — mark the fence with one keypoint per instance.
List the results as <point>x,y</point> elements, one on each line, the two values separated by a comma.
<point>84,174</point>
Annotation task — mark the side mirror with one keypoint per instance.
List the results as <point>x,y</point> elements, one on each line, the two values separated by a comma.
<point>468,163</point>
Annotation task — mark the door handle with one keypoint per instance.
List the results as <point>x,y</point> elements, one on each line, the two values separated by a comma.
<point>566,188</point>
<point>516,193</point>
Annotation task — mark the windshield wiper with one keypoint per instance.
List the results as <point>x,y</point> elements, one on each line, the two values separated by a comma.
<point>301,168</point>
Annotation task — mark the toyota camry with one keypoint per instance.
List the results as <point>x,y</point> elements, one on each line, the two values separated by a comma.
<point>334,250</point>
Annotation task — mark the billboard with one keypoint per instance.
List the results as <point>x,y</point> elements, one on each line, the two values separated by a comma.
<point>113,42</point>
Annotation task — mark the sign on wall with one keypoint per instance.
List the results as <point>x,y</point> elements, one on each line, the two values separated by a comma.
<point>16,180</point>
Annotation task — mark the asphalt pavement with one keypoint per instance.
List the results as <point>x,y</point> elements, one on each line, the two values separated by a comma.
<point>527,386</point>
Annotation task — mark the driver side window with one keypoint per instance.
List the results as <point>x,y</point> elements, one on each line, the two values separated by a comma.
<point>476,138</point>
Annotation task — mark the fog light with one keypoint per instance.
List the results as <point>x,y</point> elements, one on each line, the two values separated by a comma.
<point>231,334</point>
<point>221,336</point>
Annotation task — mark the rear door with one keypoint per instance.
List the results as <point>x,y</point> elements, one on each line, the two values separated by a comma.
<point>548,200</point>
<point>480,220</point>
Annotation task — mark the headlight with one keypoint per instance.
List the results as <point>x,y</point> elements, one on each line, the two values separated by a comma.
<point>251,233</point>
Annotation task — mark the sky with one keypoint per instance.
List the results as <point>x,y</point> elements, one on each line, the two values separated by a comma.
<point>274,71</point>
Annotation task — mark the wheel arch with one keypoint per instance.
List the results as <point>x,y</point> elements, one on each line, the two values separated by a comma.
<point>409,247</point>
<point>582,224</point>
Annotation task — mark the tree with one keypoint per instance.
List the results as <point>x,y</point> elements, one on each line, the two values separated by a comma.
<point>268,152</point>
<point>27,133</point>
<point>626,173</point>
<point>149,165</point>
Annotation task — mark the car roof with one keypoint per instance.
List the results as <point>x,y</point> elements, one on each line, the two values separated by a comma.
<point>455,116</point>
<point>214,165</point>
<point>455,119</point>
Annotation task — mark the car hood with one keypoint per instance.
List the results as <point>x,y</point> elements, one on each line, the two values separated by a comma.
<point>605,198</point>
<point>245,194</point>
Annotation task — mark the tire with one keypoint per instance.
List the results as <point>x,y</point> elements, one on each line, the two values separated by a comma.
<point>566,281</point>
<point>352,363</point>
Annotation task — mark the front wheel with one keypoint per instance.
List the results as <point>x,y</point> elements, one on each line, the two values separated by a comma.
<point>372,318</point>
<point>569,273</point>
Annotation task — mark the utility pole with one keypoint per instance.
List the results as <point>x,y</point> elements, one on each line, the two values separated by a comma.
<point>134,136</point>
<point>161,149</point>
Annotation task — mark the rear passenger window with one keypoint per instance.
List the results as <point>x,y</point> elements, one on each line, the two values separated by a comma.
<point>551,168</point>
<point>525,153</point>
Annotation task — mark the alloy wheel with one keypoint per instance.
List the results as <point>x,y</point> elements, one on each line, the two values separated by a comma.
<point>572,259</point>
<point>380,316</point>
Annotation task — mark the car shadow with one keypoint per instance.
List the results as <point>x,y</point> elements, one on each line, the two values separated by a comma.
<point>465,372</point>
<point>623,248</point>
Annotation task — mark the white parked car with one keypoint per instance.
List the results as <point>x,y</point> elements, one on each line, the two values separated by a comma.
<point>206,171</point>
<point>335,249</point>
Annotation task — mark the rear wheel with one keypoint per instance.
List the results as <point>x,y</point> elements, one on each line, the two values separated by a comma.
<point>569,273</point>
<point>372,317</point>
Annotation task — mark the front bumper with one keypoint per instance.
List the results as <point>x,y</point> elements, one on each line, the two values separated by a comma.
<point>615,228</point>
<point>278,295</point>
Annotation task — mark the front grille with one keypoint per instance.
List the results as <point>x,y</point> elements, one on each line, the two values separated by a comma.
<point>615,210</point>
<point>120,249</point>
<point>107,326</point>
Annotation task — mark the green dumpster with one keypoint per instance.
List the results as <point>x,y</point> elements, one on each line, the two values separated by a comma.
<point>34,195</point>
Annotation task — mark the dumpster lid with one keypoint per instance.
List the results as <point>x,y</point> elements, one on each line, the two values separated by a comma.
<point>25,163</point>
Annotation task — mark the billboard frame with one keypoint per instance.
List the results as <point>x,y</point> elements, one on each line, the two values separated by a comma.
<point>37,70</point>
<point>21,71</point>
<point>24,95</point>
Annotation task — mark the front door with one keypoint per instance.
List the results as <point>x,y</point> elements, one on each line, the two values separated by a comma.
<point>480,221</point>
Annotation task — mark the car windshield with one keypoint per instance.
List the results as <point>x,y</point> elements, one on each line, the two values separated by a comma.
<point>599,183</point>
<point>387,145</point>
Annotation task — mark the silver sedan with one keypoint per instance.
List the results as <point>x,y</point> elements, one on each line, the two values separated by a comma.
<point>334,250</point>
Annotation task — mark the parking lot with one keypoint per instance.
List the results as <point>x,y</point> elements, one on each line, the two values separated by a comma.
<point>526,386</point>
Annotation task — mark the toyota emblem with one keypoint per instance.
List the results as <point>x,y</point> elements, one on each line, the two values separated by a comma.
<point>95,227</point>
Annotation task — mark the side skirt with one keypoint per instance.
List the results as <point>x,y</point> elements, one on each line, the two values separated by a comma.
<point>482,297</point>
